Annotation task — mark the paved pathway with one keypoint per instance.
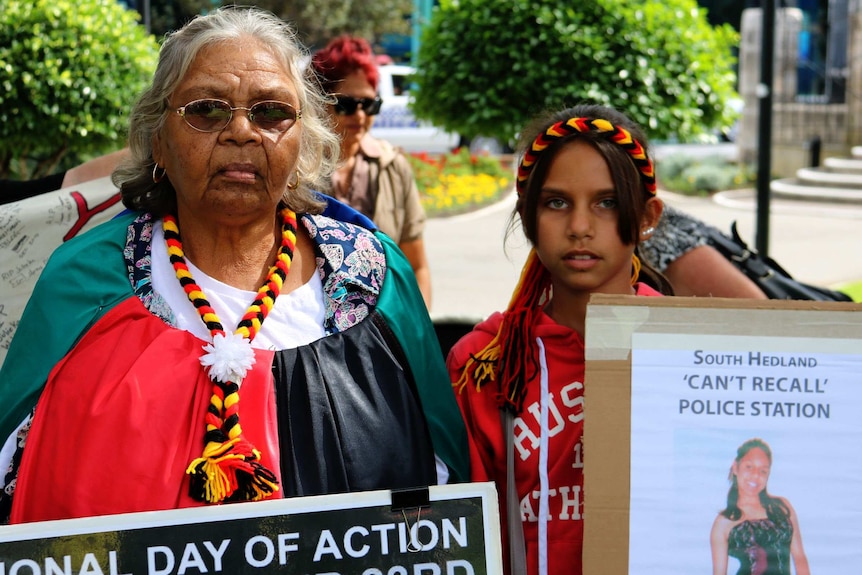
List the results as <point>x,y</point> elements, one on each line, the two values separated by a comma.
<point>472,275</point>
<point>473,268</point>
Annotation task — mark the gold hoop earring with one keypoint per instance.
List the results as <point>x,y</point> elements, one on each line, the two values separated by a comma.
<point>157,177</point>
<point>295,184</point>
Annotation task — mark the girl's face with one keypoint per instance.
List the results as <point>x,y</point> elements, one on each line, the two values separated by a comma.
<point>577,219</point>
<point>752,471</point>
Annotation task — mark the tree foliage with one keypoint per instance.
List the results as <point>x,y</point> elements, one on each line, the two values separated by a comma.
<point>321,20</point>
<point>317,21</point>
<point>487,66</point>
<point>69,73</point>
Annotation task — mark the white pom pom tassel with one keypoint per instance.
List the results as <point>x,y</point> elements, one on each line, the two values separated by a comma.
<point>228,357</point>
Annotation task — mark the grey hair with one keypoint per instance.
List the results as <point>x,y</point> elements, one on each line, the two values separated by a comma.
<point>318,148</point>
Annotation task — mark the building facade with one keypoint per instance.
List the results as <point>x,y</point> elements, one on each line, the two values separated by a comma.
<point>817,85</point>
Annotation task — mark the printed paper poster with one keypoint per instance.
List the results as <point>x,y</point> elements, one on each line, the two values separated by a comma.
<point>744,455</point>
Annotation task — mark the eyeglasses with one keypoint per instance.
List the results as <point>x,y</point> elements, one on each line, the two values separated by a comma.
<point>347,105</point>
<point>210,115</point>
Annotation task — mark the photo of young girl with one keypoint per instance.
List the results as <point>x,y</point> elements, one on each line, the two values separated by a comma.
<point>758,529</point>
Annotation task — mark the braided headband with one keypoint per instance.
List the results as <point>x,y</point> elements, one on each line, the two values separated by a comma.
<point>620,136</point>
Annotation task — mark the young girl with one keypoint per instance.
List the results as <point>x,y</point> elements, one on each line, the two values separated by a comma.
<point>586,197</point>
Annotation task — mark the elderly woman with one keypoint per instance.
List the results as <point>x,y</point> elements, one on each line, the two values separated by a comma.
<point>373,176</point>
<point>224,282</point>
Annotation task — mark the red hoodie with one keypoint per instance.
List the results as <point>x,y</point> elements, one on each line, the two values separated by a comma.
<point>552,513</point>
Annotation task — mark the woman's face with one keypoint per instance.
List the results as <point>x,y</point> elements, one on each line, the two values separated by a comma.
<point>351,128</point>
<point>752,471</point>
<point>241,172</point>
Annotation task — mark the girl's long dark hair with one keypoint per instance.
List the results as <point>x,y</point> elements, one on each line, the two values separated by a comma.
<point>776,509</point>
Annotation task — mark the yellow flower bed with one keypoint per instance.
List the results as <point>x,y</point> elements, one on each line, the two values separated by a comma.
<point>459,182</point>
<point>461,193</point>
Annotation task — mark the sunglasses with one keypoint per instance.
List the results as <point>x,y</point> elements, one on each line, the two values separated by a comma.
<point>347,105</point>
<point>210,115</point>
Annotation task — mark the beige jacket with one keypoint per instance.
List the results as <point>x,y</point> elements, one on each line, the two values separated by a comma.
<point>391,189</point>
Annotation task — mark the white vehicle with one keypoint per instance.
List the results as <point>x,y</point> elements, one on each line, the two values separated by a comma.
<point>396,123</point>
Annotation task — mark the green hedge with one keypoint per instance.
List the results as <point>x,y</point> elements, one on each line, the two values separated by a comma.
<point>487,66</point>
<point>69,73</point>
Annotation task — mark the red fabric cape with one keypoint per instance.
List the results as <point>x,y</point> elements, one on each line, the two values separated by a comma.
<point>125,459</point>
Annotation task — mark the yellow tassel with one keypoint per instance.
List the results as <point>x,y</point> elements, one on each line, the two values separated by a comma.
<point>483,366</point>
<point>480,368</point>
<point>217,483</point>
<point>263,493</point>
<point>221,475</point>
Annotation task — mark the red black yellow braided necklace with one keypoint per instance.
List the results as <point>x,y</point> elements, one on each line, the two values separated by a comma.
<point>229,468</point>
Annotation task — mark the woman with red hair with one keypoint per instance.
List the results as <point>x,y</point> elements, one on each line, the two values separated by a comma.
<point>373,177</point>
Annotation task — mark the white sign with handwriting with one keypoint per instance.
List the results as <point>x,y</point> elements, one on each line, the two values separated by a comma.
<point>31,229</point>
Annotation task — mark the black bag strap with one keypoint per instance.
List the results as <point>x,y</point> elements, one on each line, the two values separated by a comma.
<point>770,277</point>
<point>770,263</point>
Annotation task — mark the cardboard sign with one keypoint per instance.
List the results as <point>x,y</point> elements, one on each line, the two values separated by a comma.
<point>31,229</point>
<point>679,389</point>
<point>456,531</point>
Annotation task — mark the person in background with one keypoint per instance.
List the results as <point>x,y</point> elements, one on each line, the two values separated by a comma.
<point>586,199</point>
<point>758,529</point>
<point>373,177</point>
<point>99,167</point>
<point>223,341</point>
<point>679,250</point>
